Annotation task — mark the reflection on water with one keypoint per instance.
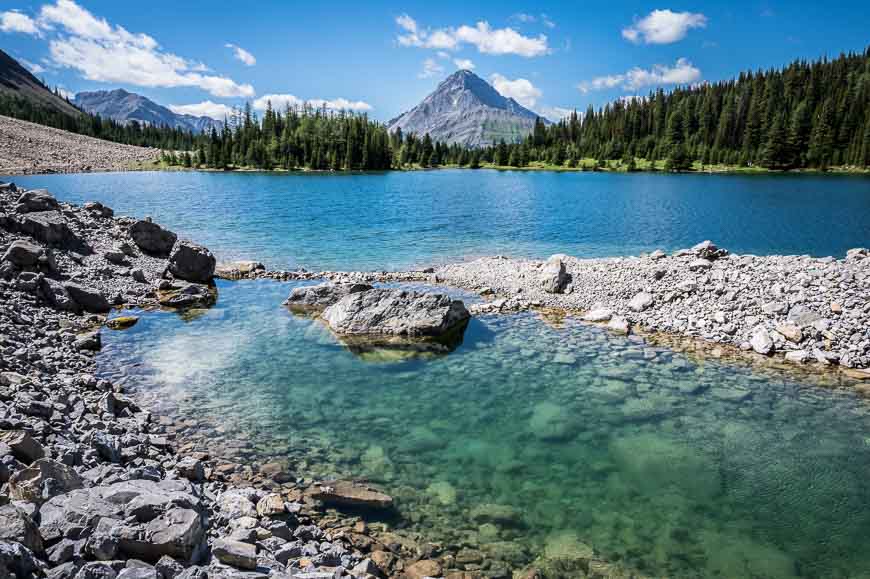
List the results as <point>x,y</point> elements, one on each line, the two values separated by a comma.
<point>530,439</point>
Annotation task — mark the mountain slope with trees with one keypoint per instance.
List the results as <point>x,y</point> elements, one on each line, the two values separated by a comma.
<point>806,115</point>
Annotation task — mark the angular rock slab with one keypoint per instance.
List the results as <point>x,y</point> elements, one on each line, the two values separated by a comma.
<point>151,238</point>
<point>316,298</point>
<point>350,494</point>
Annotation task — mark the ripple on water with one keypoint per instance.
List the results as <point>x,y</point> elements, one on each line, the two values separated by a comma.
<point>530,440</point>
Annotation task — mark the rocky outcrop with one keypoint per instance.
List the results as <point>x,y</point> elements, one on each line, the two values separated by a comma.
<point>151,238</point>
<point>191,262</point>
<point>387,312</point>
<point>316,298</point>
<point>36,200</point>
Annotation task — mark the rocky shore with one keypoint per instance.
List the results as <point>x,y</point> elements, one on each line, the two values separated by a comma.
<point>28,148</point>
<point>806,310</point>
<point>94,486</point>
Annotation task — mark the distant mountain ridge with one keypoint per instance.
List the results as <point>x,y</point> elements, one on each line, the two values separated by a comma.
<point>467,110</point>
<point>124,107</point>
<point>17,82</point>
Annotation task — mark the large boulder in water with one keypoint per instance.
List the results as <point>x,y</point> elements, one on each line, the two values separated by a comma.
<point>316,298</point>
<point>396,312</point>
<point>192,262</point>
<point>151,238</point>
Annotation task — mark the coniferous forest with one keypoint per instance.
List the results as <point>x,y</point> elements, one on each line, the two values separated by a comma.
<point>807,115</point>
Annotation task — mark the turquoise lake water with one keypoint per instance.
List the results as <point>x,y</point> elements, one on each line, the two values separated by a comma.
<point>530,439</point>
<point>672,466</point>
<point>399,220</point>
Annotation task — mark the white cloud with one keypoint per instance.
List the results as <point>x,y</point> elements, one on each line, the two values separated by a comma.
<point>487,40</point>
<point>521,90</point>
<point>556,113</point>
<point>663,27</point>
<point>547,21</point>
<point>241,54</point>
<point>281,101</point>
<point>683,72</point>
<point>431,68</point>
<point>442,54</point>
<point>67,94</point>
<point>217,111</point>
<point>525,18</point>
<point>104,52</point>
<point>15,21</point>
<point>32,66</point>
<point>463,63</point>
<point>502,41</point>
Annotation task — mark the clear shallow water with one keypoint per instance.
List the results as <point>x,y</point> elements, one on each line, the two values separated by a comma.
<point>398,220</point>
<point>676,467</point>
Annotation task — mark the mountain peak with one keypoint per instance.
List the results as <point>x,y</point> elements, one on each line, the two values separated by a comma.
<point>467,110</point>
<point>124,106</point>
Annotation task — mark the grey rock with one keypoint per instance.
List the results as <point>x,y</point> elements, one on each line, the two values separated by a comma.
<point>26,255</point>
<point>23,446</point>
<point>151,238</point>
<point>640,302</point>
<point>708,250</point>
<point>553,276</point>
<point>191,262</point>
<point>761,341</point>
<point>36,200</point>
<point>99,209</point>
<point>17,561</point>
<point>57,296</point>
<point>700,265</point>
<point>190,468</point>
<point>316,298</point>
<point>16,525</point>
<point>397,313</point>
<point>50,228</point>
<point>346,493</point>
<point>90,299</point>
<point>803,316</point>
<point>44,479</point>
<point>598,314</point>
<point>235,553</point>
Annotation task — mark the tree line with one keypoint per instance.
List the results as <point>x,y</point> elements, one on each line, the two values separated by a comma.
<point>806,115</point>
<point>299,138</point>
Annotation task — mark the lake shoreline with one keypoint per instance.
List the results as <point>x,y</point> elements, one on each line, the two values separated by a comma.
<point>750,304</point>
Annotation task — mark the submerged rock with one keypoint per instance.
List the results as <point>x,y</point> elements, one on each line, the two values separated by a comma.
<point>350,494</point>
<point>316,298</point>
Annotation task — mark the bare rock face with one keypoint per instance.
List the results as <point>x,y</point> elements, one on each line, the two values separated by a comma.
<point>151,238</point>
<point>403,313</point>
<point>316,298</point>
<point>192,262</point>
<point>16,526</point>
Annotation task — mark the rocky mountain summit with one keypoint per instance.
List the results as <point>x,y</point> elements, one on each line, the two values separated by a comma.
<point>467,110</point>
<point>123,106</point>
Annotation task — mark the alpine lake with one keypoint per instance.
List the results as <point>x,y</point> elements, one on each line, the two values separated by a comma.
<point>536,437</point>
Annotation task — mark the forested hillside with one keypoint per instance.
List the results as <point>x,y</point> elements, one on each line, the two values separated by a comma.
<point>298,138</point>
<point>807,115</point>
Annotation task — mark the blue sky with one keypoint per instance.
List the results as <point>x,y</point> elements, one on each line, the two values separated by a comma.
<point>383,58</point>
